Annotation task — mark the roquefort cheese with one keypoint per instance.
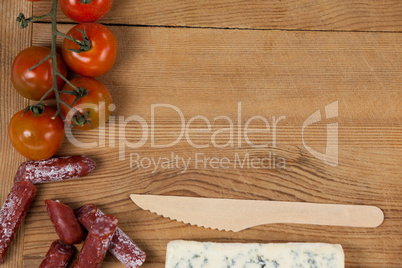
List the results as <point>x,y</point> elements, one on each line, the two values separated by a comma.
<point>190,254</point>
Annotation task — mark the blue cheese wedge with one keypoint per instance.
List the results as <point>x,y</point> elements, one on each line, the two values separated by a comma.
<point>190,254</point>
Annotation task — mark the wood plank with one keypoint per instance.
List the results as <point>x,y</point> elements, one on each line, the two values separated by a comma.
<point>12,41</point>
<point>359,15</point>
<point>272,73</point>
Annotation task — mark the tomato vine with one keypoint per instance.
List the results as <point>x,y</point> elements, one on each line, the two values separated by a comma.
<point>78,92</point>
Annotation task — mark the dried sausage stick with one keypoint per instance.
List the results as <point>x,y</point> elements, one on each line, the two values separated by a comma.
<point>122,247</point>
<point>65,222</point>
<point>55,169</point>
<point>13,212</point>
<point>97,242</point>
<point>58,256</point>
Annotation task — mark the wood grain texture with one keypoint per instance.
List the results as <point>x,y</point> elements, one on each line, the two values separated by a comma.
<point>358,15</point>
<point>12,41</point>
<point>272,73</point>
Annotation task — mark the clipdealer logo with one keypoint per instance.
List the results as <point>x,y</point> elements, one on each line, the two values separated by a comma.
<point>235,127</point>
<point>330,157</point>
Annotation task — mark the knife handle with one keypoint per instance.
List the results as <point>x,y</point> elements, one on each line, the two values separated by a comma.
<point>322,214</point>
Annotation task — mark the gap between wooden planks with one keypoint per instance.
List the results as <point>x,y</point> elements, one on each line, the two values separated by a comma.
<point>207,72</point>
<point>12,41</point>
<point>343,15</point>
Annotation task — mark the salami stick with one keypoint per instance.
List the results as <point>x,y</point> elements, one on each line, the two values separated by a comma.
<point>65,222</point>
<point>58,256</point>
<point>13,212</point>
<point>55,169</point>
<point>122,247</point>
<point>97,242</point>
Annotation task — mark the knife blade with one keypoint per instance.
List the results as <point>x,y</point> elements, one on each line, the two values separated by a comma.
<point>237,215</point>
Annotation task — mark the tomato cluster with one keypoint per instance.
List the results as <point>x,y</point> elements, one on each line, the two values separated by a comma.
<point>38,131</point>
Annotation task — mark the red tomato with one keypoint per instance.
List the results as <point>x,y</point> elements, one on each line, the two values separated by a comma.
<point>36,137</point>
<point>96,61</point>
<point>96,103</point>
<point>34,84</point>
<point>80,11</point>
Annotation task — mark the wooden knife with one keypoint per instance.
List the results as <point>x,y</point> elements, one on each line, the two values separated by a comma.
<point>237,215</point>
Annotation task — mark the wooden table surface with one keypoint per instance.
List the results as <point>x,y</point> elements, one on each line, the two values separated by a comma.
<point>207,58</point>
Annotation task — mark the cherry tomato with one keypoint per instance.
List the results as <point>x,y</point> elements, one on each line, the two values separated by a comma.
<point>36,137</point>
<point>96,103</point>
<point>84,10</point>
<point>99,59</point>
<point>34,84</point>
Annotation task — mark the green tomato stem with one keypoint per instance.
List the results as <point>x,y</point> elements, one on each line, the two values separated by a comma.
<point>68,82</point>
<point>53,13</point>
<point>67,36</point>
<point>39,63</point>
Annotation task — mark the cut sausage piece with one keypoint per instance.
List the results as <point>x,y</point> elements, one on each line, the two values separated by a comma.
<point>55,169</point>
<point>122,247</point>
<point>58,256</point>
<point>13,212</point>
<point>65,222</point>
<point>97,242</point>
